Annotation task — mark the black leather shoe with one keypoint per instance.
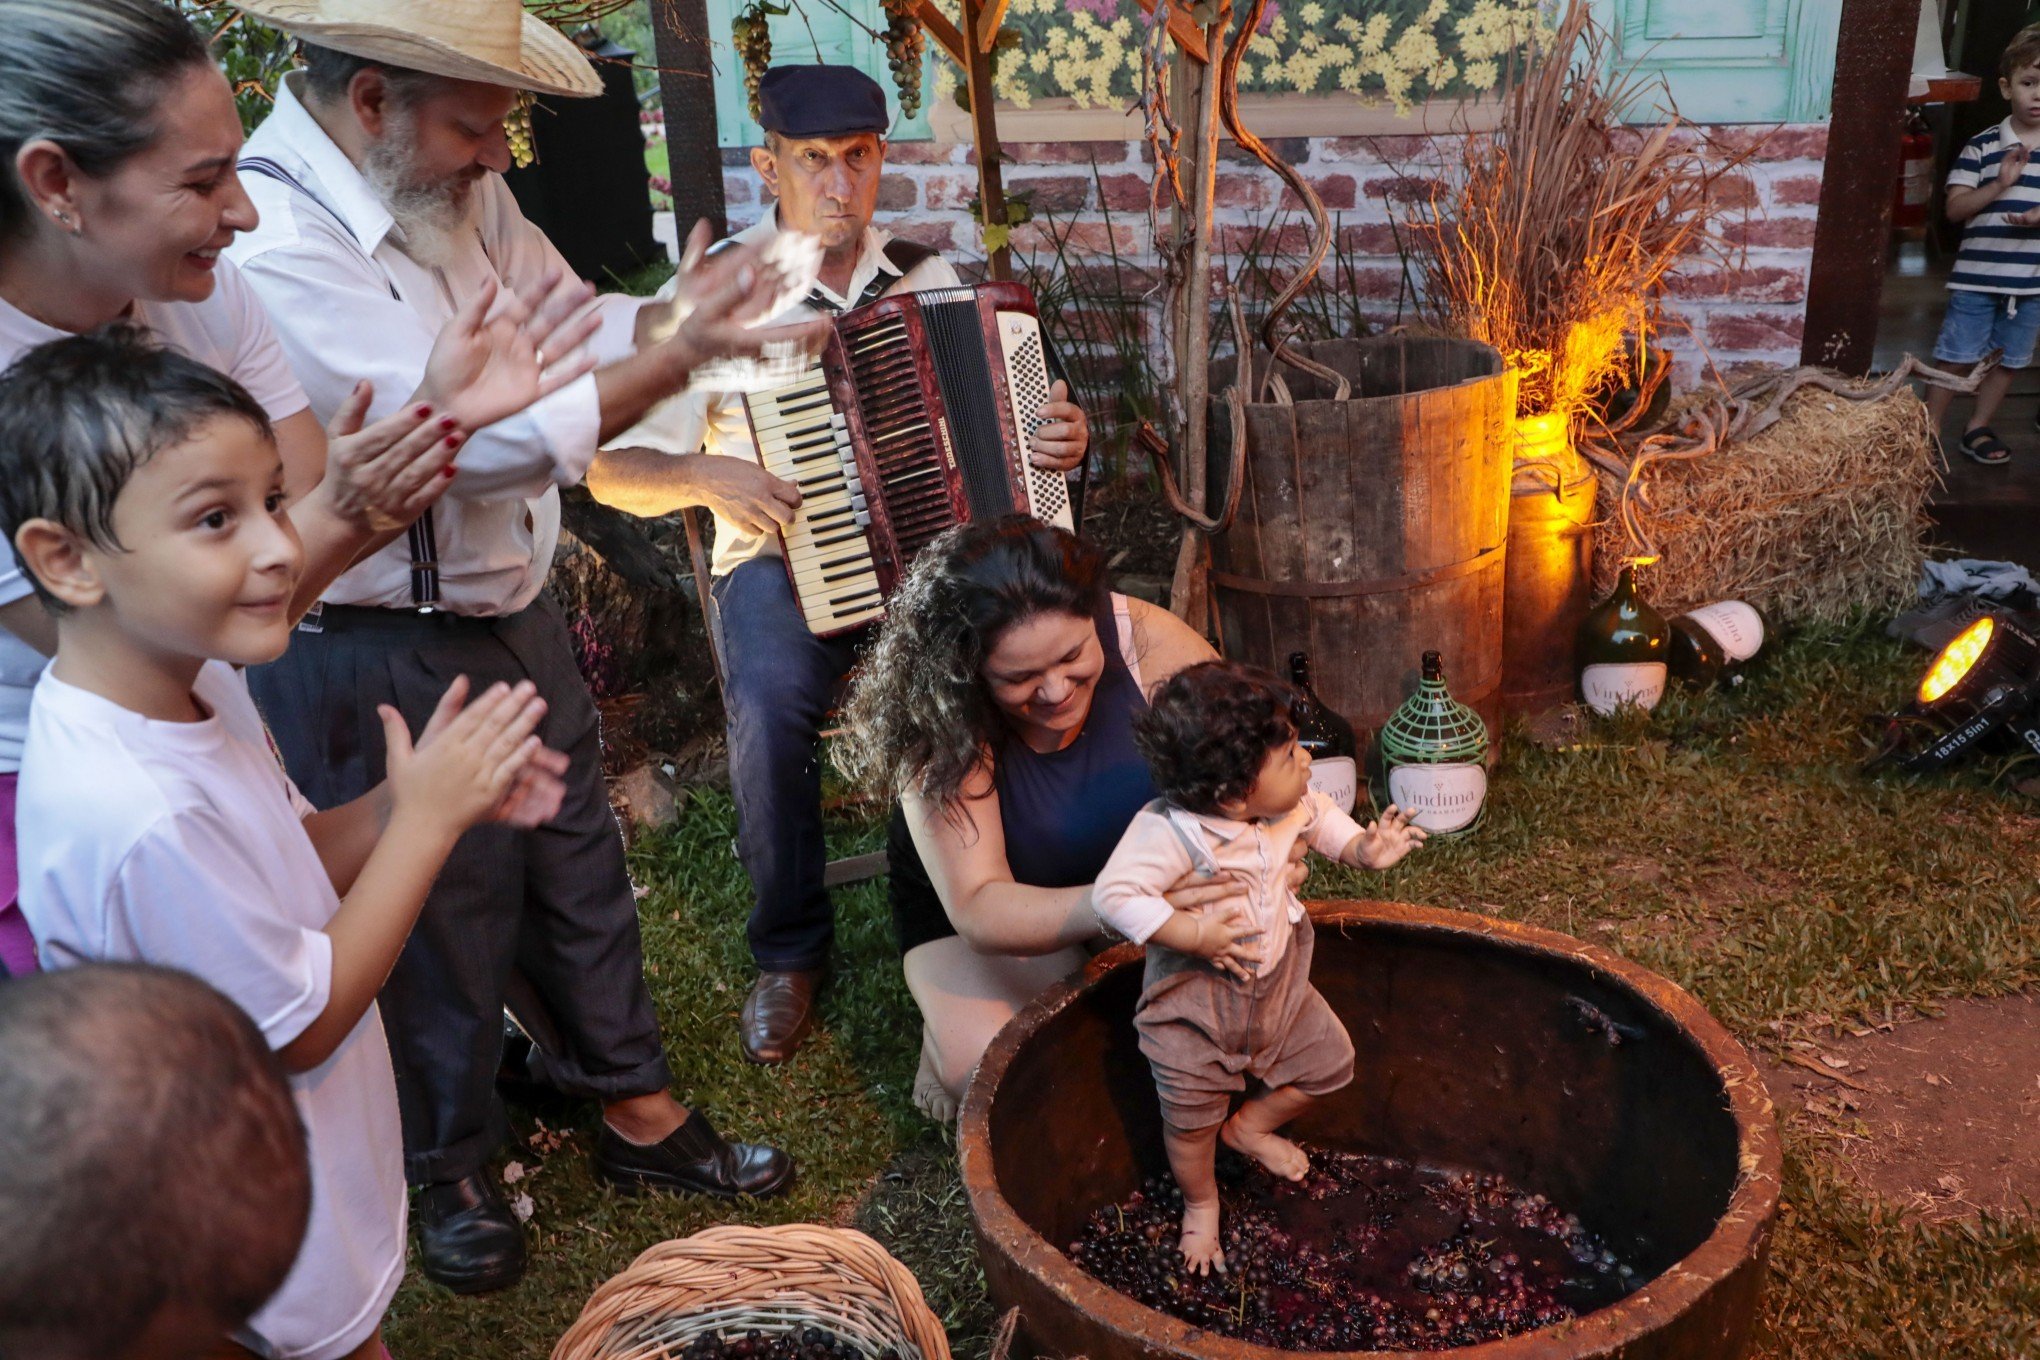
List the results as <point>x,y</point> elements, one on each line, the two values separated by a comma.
<point>693,1159</point>
<point>468,1240</point>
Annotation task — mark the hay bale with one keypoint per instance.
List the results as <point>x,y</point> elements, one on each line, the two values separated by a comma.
<point>1819,516</point>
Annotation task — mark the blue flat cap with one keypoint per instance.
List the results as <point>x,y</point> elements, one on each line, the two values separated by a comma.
<point>820,101</point>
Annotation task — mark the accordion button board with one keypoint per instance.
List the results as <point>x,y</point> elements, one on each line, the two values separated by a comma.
<point>914,418</point>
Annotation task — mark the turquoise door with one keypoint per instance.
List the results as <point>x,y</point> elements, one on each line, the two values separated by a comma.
<point>1731,61</point>
<point>820,33</point>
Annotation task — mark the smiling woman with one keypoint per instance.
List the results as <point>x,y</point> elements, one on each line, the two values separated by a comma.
<point>998,705</point>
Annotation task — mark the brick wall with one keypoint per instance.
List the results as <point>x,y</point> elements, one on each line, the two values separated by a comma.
<point>1750,308</point>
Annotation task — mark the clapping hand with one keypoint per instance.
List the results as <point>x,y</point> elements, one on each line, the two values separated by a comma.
<point>533,794</point>
<point>2014,163</point>
<point>385,475</point>
<point>489,364</point>
<point>1060,445</point>
<point>1384,843</point>
<point>2028,218</point>
<point>716,301</point>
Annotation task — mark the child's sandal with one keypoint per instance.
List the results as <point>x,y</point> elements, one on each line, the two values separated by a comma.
<point>1983,446</point>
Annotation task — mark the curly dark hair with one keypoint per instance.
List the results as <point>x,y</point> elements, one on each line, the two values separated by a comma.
<point>919,715</point>
<point>1210,728</point>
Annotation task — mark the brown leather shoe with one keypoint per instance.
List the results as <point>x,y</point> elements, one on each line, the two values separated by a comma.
<point>778,1014</point>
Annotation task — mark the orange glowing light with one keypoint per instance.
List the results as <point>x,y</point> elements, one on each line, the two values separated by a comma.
<point>1956,658</point>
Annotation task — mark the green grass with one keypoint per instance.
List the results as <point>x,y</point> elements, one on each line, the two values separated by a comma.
<point>1725,841</point>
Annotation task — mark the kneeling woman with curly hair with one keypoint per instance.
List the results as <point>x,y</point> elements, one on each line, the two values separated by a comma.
<point>998,705</point>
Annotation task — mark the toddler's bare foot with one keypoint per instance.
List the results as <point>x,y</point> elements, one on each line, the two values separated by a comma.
<point>931,1097</point>
<point>1282,1157</point>
<point>1200,1238</point>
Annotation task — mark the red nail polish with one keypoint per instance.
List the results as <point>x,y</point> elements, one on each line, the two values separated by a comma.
<point>447,422</point>
<point>446,471</point>
<point>424,411</point>
<point>453,441</point>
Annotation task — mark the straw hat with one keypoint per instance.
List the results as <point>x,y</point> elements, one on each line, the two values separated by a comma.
<point>492,41</point>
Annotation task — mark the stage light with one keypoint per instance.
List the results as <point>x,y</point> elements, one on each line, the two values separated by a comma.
<point>1987,678</point>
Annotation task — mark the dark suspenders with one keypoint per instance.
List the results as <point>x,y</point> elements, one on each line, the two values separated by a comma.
<point>423,541</point>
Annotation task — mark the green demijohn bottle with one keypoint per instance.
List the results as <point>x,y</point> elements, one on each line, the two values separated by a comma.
<point>1334,754</point>
<point>1434,757</point>
<point>1711,641</point>
<point>1624,648</point>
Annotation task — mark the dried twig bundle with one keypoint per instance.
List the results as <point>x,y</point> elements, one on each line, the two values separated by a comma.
<point>1553,241</point>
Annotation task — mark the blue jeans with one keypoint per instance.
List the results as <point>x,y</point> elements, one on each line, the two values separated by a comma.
<point>1977,323</point>
<point>778,683</point>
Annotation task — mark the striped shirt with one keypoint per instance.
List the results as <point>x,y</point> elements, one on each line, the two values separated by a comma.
<point>1996,255</point>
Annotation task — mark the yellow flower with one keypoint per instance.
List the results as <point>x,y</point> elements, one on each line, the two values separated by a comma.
<point>1347,25</point>
<point>1335,54</point>
<point>1261,45</point>
<point>1122,28</point>
<point>1279,30</point>
<point>1415,50</point>
<point>1377,33</point>
<point>1351,78</point>
<point>1312,13</point>
<point>1308,42</point>
<point>1482,75</point>
<point>1037,61</point>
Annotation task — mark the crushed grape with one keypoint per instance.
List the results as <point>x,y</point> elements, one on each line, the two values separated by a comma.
<point>809,1343</point>
<point>1365,1253</point>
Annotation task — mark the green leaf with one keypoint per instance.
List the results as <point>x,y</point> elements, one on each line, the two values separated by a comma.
<point>997,237</point>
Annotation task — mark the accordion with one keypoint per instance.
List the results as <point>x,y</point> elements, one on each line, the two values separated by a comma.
<point>914,418</point>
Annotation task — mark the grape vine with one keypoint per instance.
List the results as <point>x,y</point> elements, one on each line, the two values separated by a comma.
<point>753,37</point>
<point>517,127</point>
<point>903,43</point>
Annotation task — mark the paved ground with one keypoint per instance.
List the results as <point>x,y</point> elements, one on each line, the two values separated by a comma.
<point>1990,512</point>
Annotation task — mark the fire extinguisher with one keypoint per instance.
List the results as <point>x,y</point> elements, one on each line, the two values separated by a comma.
<point>1915,189</point>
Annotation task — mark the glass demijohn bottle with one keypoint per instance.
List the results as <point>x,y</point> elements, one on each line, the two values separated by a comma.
<point>1334,762</point>
<point>1624,646</point>
<point>1434,754</point>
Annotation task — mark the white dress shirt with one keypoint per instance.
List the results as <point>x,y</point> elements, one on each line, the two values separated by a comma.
<point>348,304</point>
<point>715,422</point>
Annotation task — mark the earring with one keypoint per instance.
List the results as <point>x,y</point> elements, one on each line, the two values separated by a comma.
<point>68,225</point>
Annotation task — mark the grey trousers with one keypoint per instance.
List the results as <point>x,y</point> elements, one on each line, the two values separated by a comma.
<point>554,905</point>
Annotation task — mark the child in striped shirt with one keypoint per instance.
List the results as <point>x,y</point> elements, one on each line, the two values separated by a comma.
<point>1994,290</point>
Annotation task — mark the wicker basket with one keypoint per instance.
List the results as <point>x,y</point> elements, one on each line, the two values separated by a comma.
<point>770,1280</point>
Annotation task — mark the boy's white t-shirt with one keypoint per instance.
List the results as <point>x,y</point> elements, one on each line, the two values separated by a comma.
<point>181,844</point>
<point>229,331</point>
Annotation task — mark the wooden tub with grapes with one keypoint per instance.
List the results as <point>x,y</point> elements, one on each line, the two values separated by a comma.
<point>1546,1153</point>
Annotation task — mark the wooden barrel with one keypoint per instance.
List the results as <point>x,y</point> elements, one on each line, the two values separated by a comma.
<point>1374,529</point>
<point>1547,585</point>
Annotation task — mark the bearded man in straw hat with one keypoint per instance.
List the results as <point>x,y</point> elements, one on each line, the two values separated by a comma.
<point>378,180</point>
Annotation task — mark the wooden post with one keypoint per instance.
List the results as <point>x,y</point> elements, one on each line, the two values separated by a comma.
<point>984,128</point>
<point>1190,591</point>
<point>1873,60</point>
<point>687,91</point>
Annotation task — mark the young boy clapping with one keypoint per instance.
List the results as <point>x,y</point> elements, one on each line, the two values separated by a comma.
<point>143,495</point>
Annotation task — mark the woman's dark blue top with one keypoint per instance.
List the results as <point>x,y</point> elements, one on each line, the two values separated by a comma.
<point>1062,811</point>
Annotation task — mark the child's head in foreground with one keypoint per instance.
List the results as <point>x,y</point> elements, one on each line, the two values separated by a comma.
<point>153,1176</point>
<point>143,493</point>
<point>1220,738</point>
<point>2019,75</point>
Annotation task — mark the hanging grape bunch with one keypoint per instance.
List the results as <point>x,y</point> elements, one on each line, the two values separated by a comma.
<point>903,42</point>
<point>754,46</point>
<point>517,127</point>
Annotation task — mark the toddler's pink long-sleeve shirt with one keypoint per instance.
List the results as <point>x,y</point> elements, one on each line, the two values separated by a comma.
<point>1164,842</point>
